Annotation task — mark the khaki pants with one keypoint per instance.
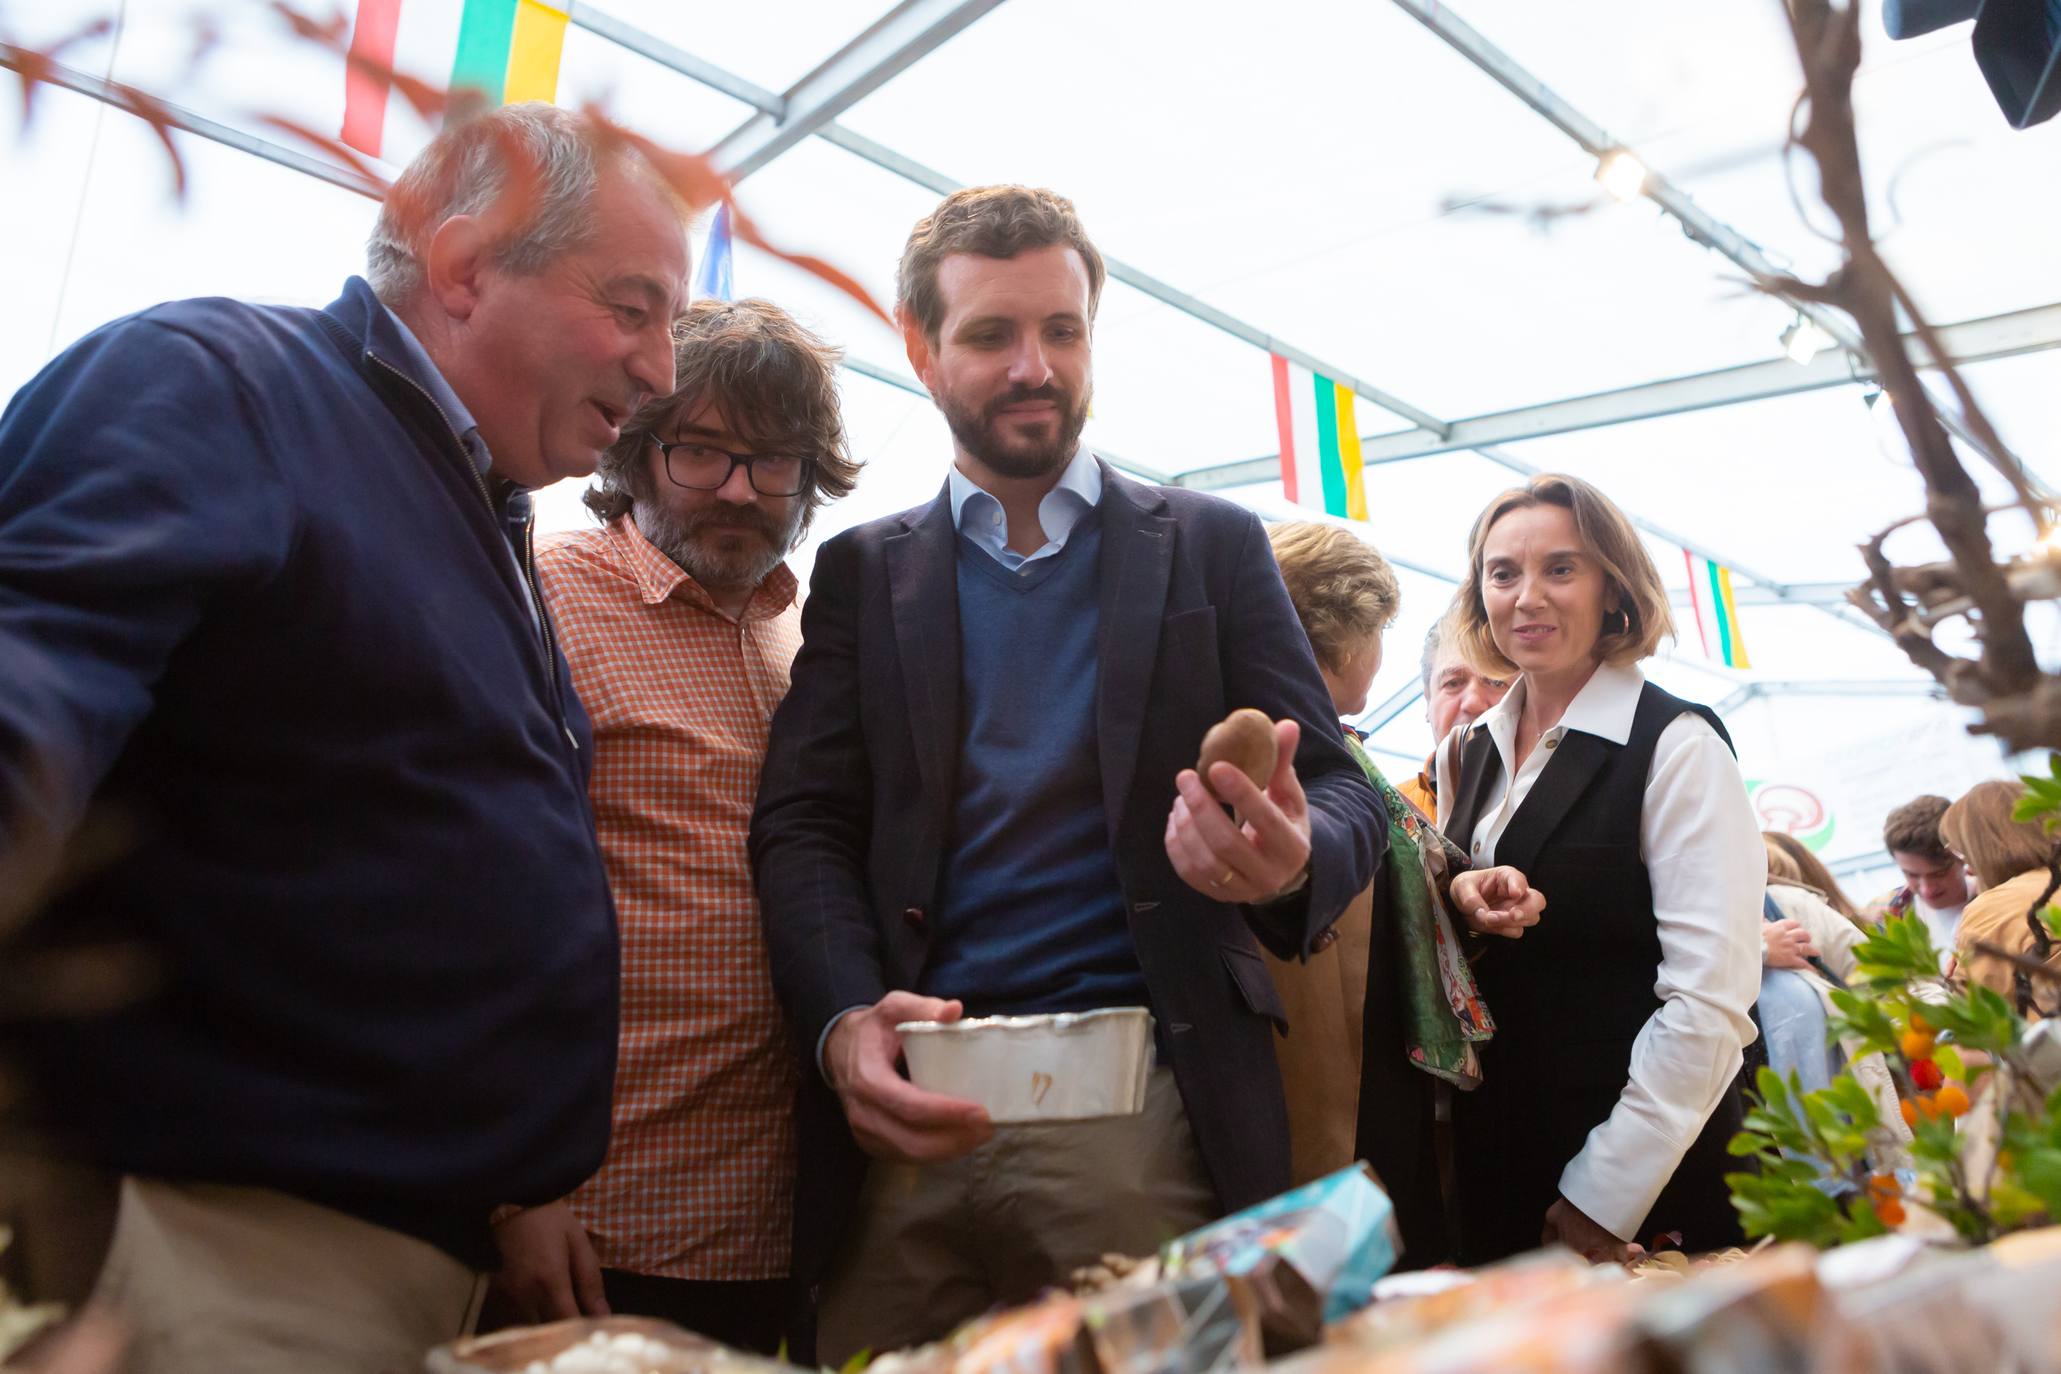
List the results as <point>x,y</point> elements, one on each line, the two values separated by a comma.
<point>933,1245</point>
<point>221,1280</point>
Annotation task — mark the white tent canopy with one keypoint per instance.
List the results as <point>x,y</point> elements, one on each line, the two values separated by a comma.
<point>1338,179</point>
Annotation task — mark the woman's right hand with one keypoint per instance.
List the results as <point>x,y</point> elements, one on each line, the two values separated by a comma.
<point>1788,945</point>
<point>1496,901</point>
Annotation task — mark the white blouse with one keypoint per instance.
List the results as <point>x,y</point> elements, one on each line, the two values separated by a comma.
<point>1701,844</point>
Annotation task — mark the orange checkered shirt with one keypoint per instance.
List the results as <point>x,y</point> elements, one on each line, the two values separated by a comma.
<point>698,1183</point>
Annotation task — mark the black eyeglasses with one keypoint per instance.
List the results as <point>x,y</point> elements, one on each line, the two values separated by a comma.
<point>697,466</point>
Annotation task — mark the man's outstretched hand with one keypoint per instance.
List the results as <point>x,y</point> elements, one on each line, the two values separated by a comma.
<point>1250,862</point>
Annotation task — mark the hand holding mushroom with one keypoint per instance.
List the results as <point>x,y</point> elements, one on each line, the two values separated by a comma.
<point>1247,763</point>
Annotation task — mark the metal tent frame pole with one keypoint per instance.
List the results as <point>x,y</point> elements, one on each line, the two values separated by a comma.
<point>1699,224</point>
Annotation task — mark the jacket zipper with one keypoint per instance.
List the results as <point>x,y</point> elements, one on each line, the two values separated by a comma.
<point>547,652</point>
<point>529,571</point>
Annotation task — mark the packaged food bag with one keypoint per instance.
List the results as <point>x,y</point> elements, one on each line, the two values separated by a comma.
<point>1415,1307</point>
<point>1045,1337</point>
<point>1311,1255</point>
<point>1207,1324</point>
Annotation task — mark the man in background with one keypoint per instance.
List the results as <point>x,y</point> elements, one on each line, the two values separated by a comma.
<point>679,621</point>
<point>1935,885</point>
<point>1454,694</point>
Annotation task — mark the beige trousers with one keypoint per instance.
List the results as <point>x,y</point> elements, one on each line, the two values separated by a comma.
<point>933,1245</point>
<point>221,1280</point>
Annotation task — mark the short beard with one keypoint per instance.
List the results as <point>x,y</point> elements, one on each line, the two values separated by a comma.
<point>689,540</point>
<point>977,434</point>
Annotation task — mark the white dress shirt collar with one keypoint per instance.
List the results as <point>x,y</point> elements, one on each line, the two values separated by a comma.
<point>1604,707</point>
<point>980,517</point>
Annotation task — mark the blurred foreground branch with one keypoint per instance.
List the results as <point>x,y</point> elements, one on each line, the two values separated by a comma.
<point>2019,702</point>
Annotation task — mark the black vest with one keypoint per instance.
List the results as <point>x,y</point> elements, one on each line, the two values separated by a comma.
<point>1570,996</point>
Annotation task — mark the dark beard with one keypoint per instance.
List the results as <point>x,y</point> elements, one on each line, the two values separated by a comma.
<point>689,541</point>
<point>977,436</point>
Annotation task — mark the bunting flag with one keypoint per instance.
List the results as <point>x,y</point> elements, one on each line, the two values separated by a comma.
<point>713,281</point>
<point>1717,613</point>
<point>507,51</point>
<point>1320,442</point>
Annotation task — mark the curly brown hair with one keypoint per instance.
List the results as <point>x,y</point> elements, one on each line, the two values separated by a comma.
<point>995,222</point>
<point>1344,592</point>
<point>776,383</point>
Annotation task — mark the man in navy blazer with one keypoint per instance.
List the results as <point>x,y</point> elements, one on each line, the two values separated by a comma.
<point>979,799</point>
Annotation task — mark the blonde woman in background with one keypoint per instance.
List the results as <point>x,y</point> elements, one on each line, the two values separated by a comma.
<point>1384,1016</point>
<point>2009,860</point>
<point>1800,865</point>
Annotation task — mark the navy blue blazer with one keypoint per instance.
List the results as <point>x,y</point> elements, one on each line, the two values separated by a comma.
<point>255,601</point>
<point>850,832</point>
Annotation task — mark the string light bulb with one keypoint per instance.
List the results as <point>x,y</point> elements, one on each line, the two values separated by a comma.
<point>1804,340</point>
<point>1888,431</point>
<point>1621,174</point>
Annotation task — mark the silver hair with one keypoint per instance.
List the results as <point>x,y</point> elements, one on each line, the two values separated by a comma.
<point>1433,641</point>
<point>464,171</point>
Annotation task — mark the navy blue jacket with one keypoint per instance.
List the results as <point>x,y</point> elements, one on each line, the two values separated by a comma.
<point>265,617</point>
<point>854,805</point>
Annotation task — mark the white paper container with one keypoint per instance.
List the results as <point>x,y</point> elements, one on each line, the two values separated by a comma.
<point>517,1349</point>
<point>1064,1066</point>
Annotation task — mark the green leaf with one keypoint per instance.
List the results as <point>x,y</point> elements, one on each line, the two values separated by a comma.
<point>1858,1222</point>
<point>1897,952</point>
<point>2039,1171</point>
<point>1934,1140</point>
<point>2012,1205</point>
<point>1864,1019</point>
<point>1977,1019</point>
<point>1854,1102</point>
<point>1950,1062</point>
<point>859,1360</point>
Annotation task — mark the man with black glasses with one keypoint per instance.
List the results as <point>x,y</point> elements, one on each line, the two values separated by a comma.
<point>679,621</point>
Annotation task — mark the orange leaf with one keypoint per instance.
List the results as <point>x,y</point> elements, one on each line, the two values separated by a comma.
<point>815,266</point>
<point>335,147</point>
<point>152,111</point>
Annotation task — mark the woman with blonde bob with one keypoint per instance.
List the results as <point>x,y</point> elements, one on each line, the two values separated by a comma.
<point>1610,1091</point>
<point>1383,1011</point>
<point>2009,860</point>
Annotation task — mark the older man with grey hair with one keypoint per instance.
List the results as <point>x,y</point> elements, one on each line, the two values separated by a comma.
<point>1454,693</point>
<point>268,574</point>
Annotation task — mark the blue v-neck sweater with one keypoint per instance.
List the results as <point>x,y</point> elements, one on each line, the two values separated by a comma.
<point>1032,914</point>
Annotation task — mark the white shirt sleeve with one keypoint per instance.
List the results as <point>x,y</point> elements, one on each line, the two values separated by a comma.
<point>1703,854</point>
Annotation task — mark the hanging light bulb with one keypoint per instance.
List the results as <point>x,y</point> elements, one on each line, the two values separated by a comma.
<point>1804,340</point>
<point>1622,175</point>
<point>1889,434</point>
